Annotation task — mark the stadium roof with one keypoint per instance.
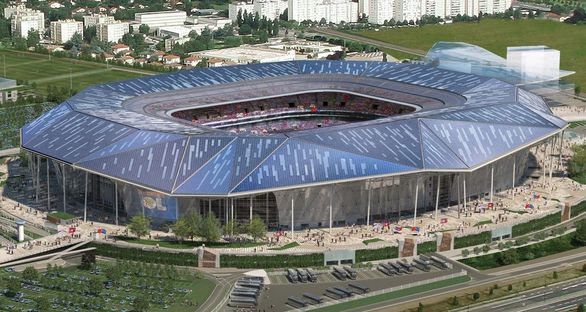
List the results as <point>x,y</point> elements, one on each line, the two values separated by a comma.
<point>123,130</point>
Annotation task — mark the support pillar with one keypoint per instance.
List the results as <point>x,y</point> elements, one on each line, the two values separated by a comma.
<point>39,179</point>
<point>491,182</point>
<point>292,217</point>
<point>459,197</point>
<point>437,196</point>
<point>209,206</point>
<point>368,204</point>
<point>464,189</point>
<point>85,199</point>
<point>514,168</point>
<point>232,215</point>
<point>48,189</point>
<point>267,210</point>
<point>544,160</point>
<point>416,195</point>
<point>561,150</point>
<point>116,200</point>
<point>250,216</point>
<point>551,162</point>
<point>331,204</point>
<point>63,182</point>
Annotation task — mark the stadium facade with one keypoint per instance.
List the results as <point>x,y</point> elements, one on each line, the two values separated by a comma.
<point>126,148</point>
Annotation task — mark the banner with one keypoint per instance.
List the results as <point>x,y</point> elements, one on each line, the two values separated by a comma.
<point>157,205</point>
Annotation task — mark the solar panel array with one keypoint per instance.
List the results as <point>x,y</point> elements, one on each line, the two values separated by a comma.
<point>93,130</point>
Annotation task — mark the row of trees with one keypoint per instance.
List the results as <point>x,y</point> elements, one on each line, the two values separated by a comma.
<point>192,225</point>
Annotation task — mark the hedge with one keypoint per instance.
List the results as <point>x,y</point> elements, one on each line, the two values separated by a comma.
<point>578,209</point>
<point>135,254</point>
<point>426,247</point>
<point>537,224</point>
<point>274,261</point>
<point>472,240</point>
<point>363,255</point>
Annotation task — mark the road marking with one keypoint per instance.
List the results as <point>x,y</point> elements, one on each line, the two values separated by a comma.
<point>539,295</point>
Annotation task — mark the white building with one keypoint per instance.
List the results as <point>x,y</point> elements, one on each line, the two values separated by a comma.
<point>181,31</point>
<point>381,11</point>
<point>409,10</point>
<point>23,22</point>
<point>111,32</point>
<point>213,21</point>
<point>364,7</point>
<point>333,11</point>
<point>162,18</point>
<point>247,54</point>
<point>234,8</point>
<point>94,19</point>
<point>62,31</point>
<point>271,9</point>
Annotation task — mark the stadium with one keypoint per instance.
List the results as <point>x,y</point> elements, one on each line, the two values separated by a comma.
<point>300,144</point>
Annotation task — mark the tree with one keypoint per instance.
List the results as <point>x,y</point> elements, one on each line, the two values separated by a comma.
<point>139,225</point>
<point>74,43</point>
<point>42,304</point>
<point>232,41</point>
<point>33,38</point>
<point>210,228</point>
<point>476,296</point>
<point>555,275</point>
<point>581,308</point>
<point>30,274</point>
<point>580,236</point>
<point>181,229</point>
<point>507,257</point>
<point>140,304</point>
<point>455,301</point>
<point>510,287</point>
<point>245,30</point>
<point>263,36</point>
<point>420,307</point>
<point>89,34</point>
<point>257,228</point>
<point>13,286</point>
<point>231,228</point>
<point>465,252</point>
<point>144,29</point>
<point>193,221</point>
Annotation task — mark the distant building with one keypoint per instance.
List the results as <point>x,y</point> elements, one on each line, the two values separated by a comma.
<point>380,11</point>
<point>120,48</point>
<point>159,19</point>
<point>333,11</point>
<point>112,32</point>
<point>180,31</point>
<point>171,59</point>
<point>234,8</point>
<point>192,61</point>
<point>247,54</point>
<point>94,19</point>
<point>271,9</point>
<point>23,20</point>
<point>214,21</point>
<point>8,91</point>
<point>62,31</point>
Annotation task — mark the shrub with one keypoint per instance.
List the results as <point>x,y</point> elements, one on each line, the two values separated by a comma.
<point>272,261</point>
<point>508,257</point>
<point>510,244</point>
<point>584,268</point>
<point>536,225</point>
<point>491,292</point>
<point>465,252</point>
<point>455,301</point>
<point>363,255</point>
<point>472,240</point>
<point>578,209</point>
<point>477,250</point>
<point>485,248</point>
<point>501,246</point>
<point>510,287</point>
<point>476,296</point>
<point>427,247</point>
<point>555,275</point>
<point>148,256</point>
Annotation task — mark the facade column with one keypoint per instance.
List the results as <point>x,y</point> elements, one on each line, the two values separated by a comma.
<point>491,182</point>
<point>267,210</point>
<point>250,216</point>
<point>116,200</point>
<point>464,189</point>
<point>85,199</point>
<point>232,215</point>
<point>544,160</point>
<point>368,204</point>
<point>48,190</point>
<point>437,196</point>
<point>416,197</point>
<point>209,206</point>
<point>331,204</point>
<point>292,217</point>
<point>561,150</point>
<point>39,177</point>
<point>64,199</point>
<point>551,161</point>
<point>514,168</point>
<point>459,197</point>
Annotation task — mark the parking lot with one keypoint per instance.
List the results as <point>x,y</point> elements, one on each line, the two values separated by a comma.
<point>275,296</point>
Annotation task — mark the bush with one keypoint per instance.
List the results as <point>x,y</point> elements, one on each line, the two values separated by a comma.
<point>537,224</point>
<point>501,246</point>
<point>477,250</point>
<point>426,247</point>
<point>476,296</point>
<point>472,240</point>
<point>510,287</point>
<point>508,257</point>
<point>522,241</point>
<point>455,301</point>
<point>274,261</point>
<point>584,268</point>
<point>135,254</point>
<point>578,209</point>
<point>363,255</point>
<point>485,248</point>
<point>555,275</point>
<point>465,252</point>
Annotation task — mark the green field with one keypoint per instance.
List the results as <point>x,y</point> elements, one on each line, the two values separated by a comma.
<point>102,289</point>
<point>39,69</point>
<point>496,35</point>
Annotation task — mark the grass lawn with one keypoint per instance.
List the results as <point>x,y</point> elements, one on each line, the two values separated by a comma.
<point>186,244</point>
<point>496,35</point>
<point>394,295</point>
<point>62,215</point>
<point>580,178</point>
<point>67,289</point>
<point>287,246</point>
<point>576,124</point>
<point>39,69</point>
